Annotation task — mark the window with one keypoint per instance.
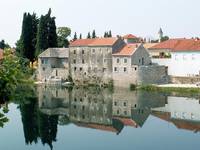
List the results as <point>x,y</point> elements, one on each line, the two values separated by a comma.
<point>43,69</point>
<point>83,61</point>
<point>74,61</point>
<point>83,107</point>
<point>104,69</point>
<point>118,60</point>
<point>81,68</point>
<point>74,106</point>
<point>115,103</point>
<point>74,51</point>
<point>115,69</point>
<point>75,99</point>
<point>125,60</point>
<point>117,111</point>
<point>125,112</point>
<point>83,52</point>
<point>139,61</point>
<point>74,68</point>
<point>42,61</point>
<point>93,50</point>
<point>125,69</point>
<point>124,103</point>
<point>135,68</point>
<point>142,61</point>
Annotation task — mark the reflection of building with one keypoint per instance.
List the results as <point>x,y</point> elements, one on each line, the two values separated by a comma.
<point>182,112</point>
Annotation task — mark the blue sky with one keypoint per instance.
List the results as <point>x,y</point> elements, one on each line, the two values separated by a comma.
<point>178,18</point>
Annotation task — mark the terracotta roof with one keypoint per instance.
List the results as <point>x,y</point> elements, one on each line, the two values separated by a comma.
<point>149,45</point>
<point>94,42</point>
<point>127,121</point>
<point>98,126</point>
<point>1,54</point>
<point>130,36</point>
<point>127,50</point>
<point>179,45</point>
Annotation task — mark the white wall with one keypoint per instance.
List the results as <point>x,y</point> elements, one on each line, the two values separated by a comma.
<point>181,63</point>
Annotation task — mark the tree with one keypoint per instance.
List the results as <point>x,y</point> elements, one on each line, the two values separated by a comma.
<point>80,37</point>
<point>63,33</point>
<point>110,34</point>
<point>93,34</point>
<point>75,36</point>
<point>164,38</point>
<point>2,44</point>
<point>46,35</point>
<point>89,36</point>
<point>26,43</point>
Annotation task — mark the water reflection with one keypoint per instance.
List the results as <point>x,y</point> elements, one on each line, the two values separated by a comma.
<point>102,110</point>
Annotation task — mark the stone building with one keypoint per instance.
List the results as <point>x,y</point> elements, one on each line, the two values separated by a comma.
<point>53,64</point>
<point>126,63</point>
<point>91,59</point>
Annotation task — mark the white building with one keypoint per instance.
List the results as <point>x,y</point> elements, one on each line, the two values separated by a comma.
<point>185,57</point>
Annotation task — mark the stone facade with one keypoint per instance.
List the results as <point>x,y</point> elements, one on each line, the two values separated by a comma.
<point>53,63</point>
<point>126,64</point>
<point>92,63</point>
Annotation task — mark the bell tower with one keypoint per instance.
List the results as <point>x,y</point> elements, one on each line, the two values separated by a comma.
<point>160,34</point>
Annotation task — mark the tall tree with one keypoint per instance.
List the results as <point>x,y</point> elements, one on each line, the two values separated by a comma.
<point>75,36</point>
<point>63,33</point>
<point>93,34</point>
<point>89,36</point>
<point>2,44</point>
<point>110,34</point>
<point>80,37</point>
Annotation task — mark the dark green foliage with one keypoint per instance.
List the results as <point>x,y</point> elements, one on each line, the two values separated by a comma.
<point>110,34</point>
<point>80,37</point>
<point>75,36</point>
<point>89,36</point>
<point>133,87</point>
<point>3,45</point>
<point>26,44</point>
<point>63,33</point>
<point>93,34</point>
<point>46,35</point>
<point>165,38</point>
<point>105,34</point>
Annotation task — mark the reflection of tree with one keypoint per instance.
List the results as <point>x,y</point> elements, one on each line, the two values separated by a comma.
<point>3,120</point>
<point>29,120</point>
<point>48,128</point>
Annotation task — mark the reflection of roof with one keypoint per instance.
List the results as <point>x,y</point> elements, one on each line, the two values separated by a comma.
<point>127,50</point>
<point>130,36</point>
<point>94,42</point>
<point>97,126</point>
<point>179,45</point>
<point>127,121</point>
<point>140,116</point>
<point>1,54</point>
<point>180,124</point>
<point>55,52</point>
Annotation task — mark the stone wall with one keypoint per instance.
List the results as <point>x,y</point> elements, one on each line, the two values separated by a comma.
<point>184,80</point>
<point>152,75</point>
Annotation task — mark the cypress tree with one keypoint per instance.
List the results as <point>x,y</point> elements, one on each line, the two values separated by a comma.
<point>89,36</point>
<point>110,34</point>
<point>93,34</point>
<point>75,36</point>
<point>80,37</point>
<point>52,35</point>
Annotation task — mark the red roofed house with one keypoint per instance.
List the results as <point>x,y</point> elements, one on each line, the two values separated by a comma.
<point>126,62</point>
<point>130,39</point>
<point>185,57</point>
<point>91,59</point>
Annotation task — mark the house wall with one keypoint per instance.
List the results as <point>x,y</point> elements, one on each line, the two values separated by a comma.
<point>52,67</point>
<point>181,64</point>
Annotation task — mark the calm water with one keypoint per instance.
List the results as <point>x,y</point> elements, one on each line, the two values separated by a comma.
<point>83,119</point>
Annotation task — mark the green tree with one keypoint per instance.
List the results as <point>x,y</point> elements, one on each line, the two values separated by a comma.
<point>63,33</point>
<point>75,36</point>
<point>164,38</point>
<point>105,34</point>
<point>110,34</point>
<point>80,36</point>
<point>93,34</point>
<point>89,36</point>
<point>2,44</point>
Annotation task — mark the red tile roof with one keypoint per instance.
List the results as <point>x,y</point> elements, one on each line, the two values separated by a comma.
<point>130,36</point>
<point>127,121</point>
<point>97,126</point>
<point>1,54</point>
<point>94,42</point>
<point>127,50</point>
<point>179,45</point>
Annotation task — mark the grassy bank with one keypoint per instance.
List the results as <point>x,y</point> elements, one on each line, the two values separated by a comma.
<point>171,90</point>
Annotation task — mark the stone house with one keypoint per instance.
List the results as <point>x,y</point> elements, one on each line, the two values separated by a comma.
<point>53,64</point>
<point>126,63</point>
<point>91,59</point>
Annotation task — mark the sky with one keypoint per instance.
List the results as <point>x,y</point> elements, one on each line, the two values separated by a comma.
<point>177,18</point>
